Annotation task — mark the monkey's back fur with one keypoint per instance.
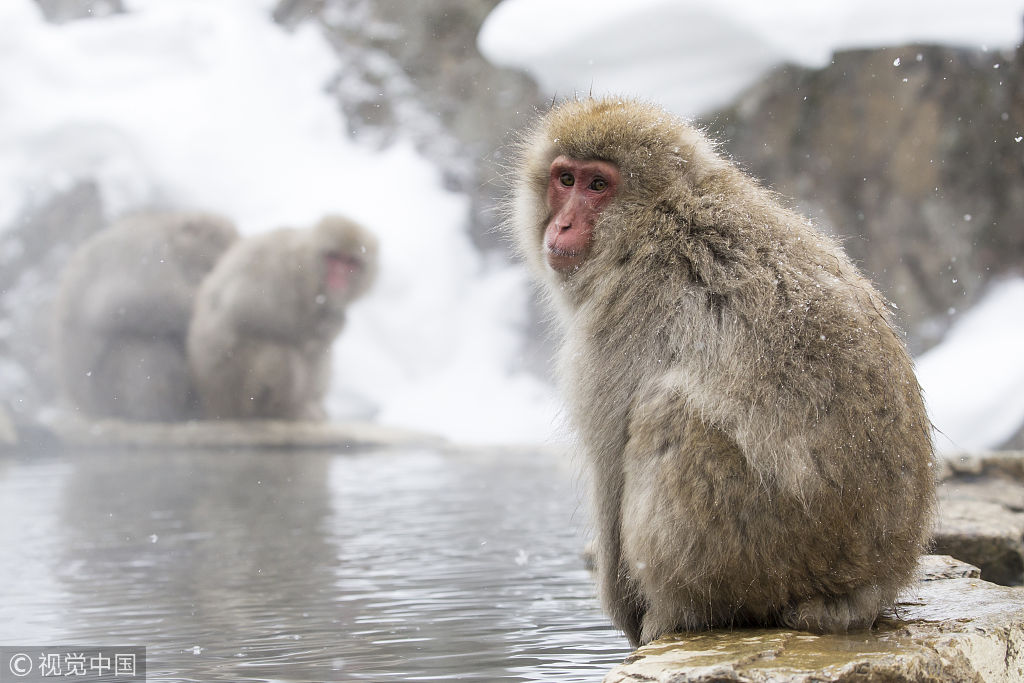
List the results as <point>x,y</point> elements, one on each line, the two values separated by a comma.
<point>122,313</point>
<point>759,445</point>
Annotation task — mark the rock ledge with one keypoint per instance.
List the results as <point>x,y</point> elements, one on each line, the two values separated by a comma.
<point>950,626</point>
<point>77,433</point>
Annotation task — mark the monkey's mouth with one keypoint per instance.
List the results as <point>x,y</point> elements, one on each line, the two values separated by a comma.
<point>562,259</point>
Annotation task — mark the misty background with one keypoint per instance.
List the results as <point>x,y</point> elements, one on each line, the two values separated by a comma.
<point>897,126</point>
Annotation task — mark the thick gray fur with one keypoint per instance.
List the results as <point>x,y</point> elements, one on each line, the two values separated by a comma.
<point>758,441</point>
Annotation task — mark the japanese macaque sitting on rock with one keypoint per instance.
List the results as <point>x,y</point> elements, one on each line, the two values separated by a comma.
<point>758,442</point>
<point>265,318</point>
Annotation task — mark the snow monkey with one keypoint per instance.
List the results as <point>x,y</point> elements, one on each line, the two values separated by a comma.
<point>759,447</point>
<point>123,309</point>
<point>266,317</point>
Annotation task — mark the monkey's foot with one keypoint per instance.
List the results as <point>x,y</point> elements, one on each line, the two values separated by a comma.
<point>835,614</point>
<point>664,617</point>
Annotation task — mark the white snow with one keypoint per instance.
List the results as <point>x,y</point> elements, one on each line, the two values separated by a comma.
<point>210,105</point>
<point>694,55</point>
<point>974,380</point>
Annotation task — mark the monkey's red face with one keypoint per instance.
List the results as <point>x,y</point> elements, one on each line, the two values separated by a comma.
<point>342,271</point>
<point>578,190</point>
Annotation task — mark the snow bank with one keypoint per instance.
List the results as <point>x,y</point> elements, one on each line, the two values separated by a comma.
<point>974,380</point>
<point>695,55</point>
<point>210,105</point>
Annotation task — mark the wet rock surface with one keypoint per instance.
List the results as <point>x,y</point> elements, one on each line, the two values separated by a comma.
<point>981,514</point>
<point>986,534</point>
<point>950,626</point>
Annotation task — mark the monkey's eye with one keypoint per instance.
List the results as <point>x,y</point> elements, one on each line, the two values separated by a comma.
<point>598,184</point>
<point>567,179</point>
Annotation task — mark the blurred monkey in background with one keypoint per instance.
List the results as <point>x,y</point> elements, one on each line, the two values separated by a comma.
<point>123,310</point>
<point>265,319</point>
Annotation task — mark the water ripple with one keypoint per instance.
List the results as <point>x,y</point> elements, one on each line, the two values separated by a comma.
<point>260,566</point>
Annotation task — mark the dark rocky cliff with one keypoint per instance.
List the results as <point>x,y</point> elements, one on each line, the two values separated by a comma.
<point>914,155</point>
